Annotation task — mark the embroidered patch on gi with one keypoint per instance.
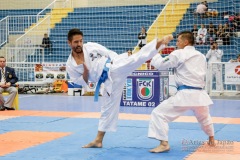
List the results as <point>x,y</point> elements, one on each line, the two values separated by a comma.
<point>95,55</point>
<point>166,59</point>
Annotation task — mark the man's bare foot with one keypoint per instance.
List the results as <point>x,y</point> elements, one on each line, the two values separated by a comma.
<point>93,144</point>
<point>161,148</point>
<point>211,141</point>
<point>165,40</point>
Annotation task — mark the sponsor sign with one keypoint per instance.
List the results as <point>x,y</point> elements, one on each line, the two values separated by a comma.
<point>51,71</point>
<point>145,89</point>
<point>232,73</point>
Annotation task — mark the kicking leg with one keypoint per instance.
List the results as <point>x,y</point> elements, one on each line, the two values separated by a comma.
<point>128,65</point>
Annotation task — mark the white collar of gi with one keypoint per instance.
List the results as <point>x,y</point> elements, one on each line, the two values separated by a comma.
<point>189,47</point>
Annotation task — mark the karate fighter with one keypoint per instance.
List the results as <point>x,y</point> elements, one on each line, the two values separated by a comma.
<point>190,69</point>
<point>90,61</point>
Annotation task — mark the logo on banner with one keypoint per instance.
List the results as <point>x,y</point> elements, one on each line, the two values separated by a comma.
<point>237,70</point>
<point>145,88</point>
<point>91,85</point>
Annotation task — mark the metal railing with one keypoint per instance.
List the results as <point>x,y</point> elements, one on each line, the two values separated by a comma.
<point>3,31</point>
<point>25,54</point>
<point>24,70</point>
<point>34,35</point>
<point>19,24</point>
<point>216,82</point>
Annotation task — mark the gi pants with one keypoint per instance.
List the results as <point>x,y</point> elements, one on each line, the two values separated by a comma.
<point>167,112</point>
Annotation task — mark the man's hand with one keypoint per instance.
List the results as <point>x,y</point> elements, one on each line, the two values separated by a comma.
<point>6,85</point>
<point>165,40</point>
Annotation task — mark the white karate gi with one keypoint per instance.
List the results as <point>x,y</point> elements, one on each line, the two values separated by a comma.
<point>119,69</point>
<point>214,70</point>
<point>190,70</point>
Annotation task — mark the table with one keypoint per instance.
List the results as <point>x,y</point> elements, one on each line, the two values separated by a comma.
<point>25,87</point>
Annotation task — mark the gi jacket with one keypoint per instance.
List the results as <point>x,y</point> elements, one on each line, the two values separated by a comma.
<point>95,57</point>
<point>190,69</point>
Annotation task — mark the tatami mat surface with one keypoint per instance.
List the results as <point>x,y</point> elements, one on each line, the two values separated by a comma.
<point>55,127</point>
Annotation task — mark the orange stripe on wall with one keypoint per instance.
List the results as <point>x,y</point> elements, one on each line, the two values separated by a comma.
<point>19,140</point>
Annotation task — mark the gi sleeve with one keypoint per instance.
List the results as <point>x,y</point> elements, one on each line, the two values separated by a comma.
<point>219,54</point>
<point>75,75</point>
<point>208,55</point>
<point>100,50</point>
<point>167,62</point>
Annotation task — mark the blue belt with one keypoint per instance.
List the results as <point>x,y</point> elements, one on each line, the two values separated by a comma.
<point>102,79</point>
<point>188,87</point>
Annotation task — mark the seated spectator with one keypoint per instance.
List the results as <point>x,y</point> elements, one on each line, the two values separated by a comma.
<point>211,33</point>
<point>227,33</point>
<point>195,31</point>
<point>8,83</point>
<point>46,43</point>
<point>220,32</point>
<point>201,10</point>
<point>201,35</point>
<point>236,25</point>
<point>206,4</point>
<point>225,16</point>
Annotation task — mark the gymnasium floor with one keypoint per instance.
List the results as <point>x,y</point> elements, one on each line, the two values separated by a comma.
<point>54,127</point>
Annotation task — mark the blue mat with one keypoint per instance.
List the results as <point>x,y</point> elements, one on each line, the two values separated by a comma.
<point>130,142</point>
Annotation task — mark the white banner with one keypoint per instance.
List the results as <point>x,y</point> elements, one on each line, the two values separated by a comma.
<point>53,71</point>
<point>232,73</point>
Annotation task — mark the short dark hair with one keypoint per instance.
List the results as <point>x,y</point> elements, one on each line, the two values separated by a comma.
<point>188,36</point>
<point>73,32</point>
<point>2,57</point>
<point>238,56</point>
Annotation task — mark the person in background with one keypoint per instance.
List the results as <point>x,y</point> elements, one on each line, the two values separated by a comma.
<point>214,69</point>
<point>201,10</point>
<point>211,33</point>
<point>129,53</point>
<point>236,24</point>
<point>195,31</point>
<point>227,33</point>
<point>142,38</point>
<point>190,70</point>
<point>206,4</point>
<point>46,43</point>
<point>201,35</point>
<point>8,83</point>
